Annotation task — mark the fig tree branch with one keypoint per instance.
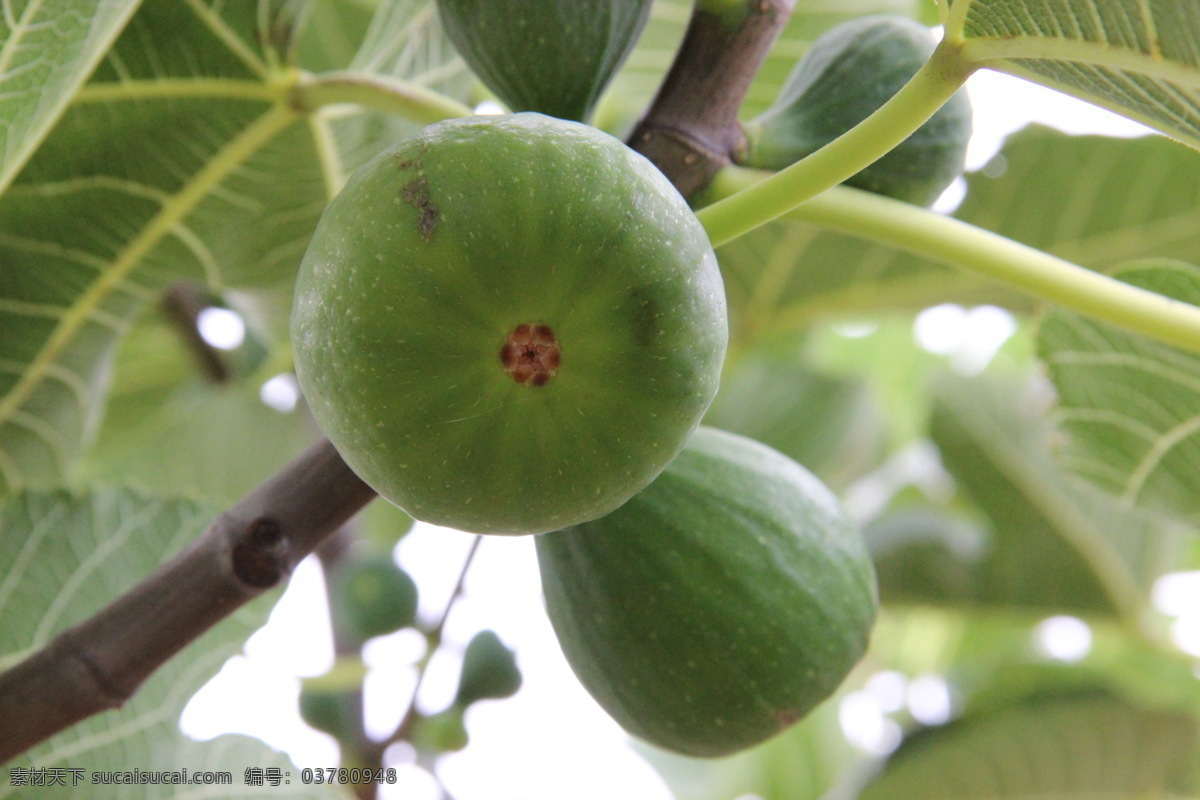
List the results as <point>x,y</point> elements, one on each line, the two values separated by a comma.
<point>433,640</point>
<point>252,547</point>
<point>691,129</point>
<point>331,555</point>
<point>182,303</point>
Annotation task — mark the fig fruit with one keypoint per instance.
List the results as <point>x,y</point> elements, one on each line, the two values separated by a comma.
<point>372,596</point>
<point>718,606</point>
<point>554,57</point>
<point>849,72</point>
<point>335,713</point>
<point>509,324</point>
<point>489,671</point>
<point>443,732</point>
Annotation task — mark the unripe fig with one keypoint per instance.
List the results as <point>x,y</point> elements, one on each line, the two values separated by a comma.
<point>337,712</point>
<point>489,670</point>
<point>551,56</point>
<point>509,324</point>
<point>849,72</point>
<point>372,596</point>
<point>718,606</point>
<point>443,732</point>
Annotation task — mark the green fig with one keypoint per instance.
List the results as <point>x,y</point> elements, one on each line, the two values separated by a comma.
<point>849,72</point>
<point>509,324</point>
<point>372,596</point>
<point>333,712</point>
<point>489,670</point>
<point>552,56</point>
<point>718,606</point>
<point>443,732</point>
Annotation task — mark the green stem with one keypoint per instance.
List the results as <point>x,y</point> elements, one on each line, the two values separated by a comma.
<point>952,241</point>
<point>433,640</point>
<point>892,123</point>
<point>379,93</point>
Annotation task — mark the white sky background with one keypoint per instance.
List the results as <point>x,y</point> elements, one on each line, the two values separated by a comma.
<point>551,741</point>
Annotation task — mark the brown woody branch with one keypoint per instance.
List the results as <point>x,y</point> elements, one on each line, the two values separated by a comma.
<point>182,303</point>
<point>99,664</point>
<point>691,129</point>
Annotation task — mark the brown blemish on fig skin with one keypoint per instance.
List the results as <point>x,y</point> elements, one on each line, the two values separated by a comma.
<point>531,354</point>
<point>416,194</point>
<point>645,318</point>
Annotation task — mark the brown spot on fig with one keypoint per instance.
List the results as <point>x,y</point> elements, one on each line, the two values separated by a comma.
<point>416,194</point>
<point>531,354</point>
<point>645,318</point>
<point>786,717</point>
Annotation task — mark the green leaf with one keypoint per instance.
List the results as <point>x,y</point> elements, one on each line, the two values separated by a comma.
<point>332,32</point>
<point>182,158</point>
<point>1093,200</point>
<point>1066,748</point>
<point>177,159</point>
<point>67,556</point>
<point>1130,407</point>
<point>47,50</point>
<point>770,393</point>
<point>169,430</point>
<point>927,556</point>
<point>405,40</point>
<point>1137,58</point>
<point>1056,544</point>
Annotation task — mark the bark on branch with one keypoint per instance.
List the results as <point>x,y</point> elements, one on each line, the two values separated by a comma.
<point>99,664</point>
<point>691,129</point>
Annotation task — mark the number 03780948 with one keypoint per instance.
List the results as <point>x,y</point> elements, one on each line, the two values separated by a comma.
<point>343,775</point>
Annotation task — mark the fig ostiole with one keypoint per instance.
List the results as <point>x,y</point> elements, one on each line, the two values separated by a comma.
<point>718,606</point>
<point>509,324</point>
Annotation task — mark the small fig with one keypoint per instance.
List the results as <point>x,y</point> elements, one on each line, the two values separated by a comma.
<point>372,596</point>
<point>849,72</point>
<point>509,324</point>
<point>553,56</point>
<point>443,732</point>
<point>333,712</point>
<point>718,606</point>
<point>489,670</point>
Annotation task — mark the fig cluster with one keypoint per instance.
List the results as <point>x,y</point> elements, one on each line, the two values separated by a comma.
<point>515,325</point>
